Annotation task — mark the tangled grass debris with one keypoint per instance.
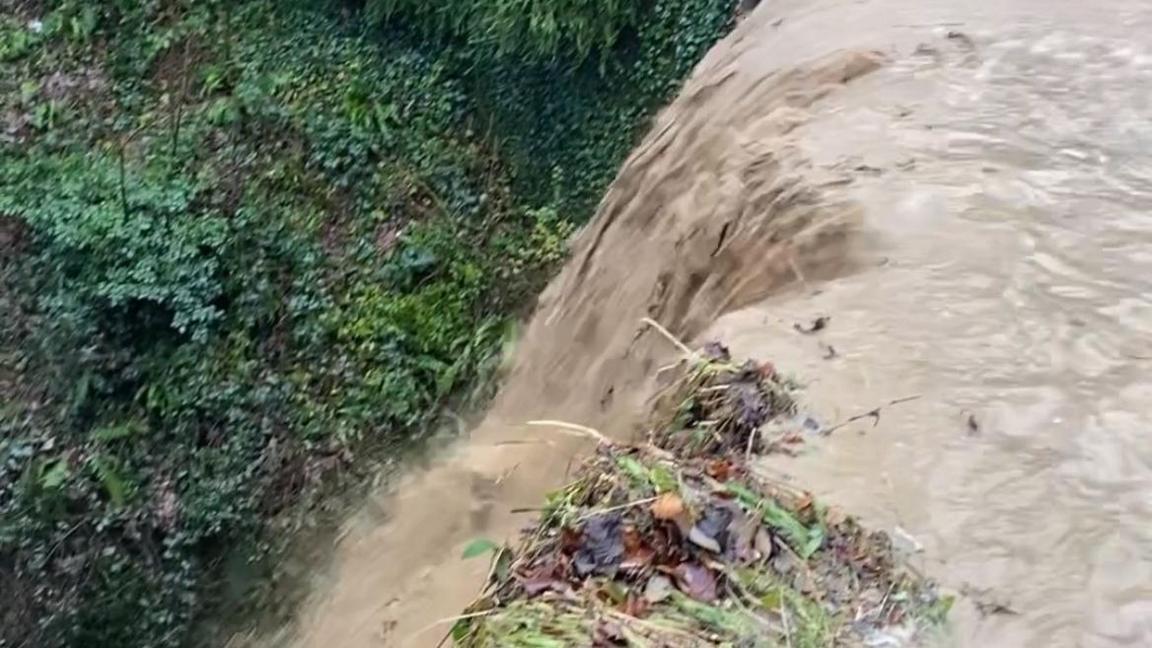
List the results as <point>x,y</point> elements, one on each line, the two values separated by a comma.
<point>681,542</point>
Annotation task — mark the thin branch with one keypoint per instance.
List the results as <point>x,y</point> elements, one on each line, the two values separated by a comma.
<point>639,502</point>
<point>671,338</point>
<point>572,427</point>
<point>873,414</point>
<point>451,619</point>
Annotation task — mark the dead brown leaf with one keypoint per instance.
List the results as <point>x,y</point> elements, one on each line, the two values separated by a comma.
<point>719,469</point>
<point>636,553</point>
<point>668,507</point>
<point>804,502</point>
<point>570,540</point>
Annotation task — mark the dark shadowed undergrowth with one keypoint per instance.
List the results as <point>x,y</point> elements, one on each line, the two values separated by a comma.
<point>248,250</point>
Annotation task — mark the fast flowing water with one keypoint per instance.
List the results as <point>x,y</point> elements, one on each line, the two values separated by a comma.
<point>965,191</point>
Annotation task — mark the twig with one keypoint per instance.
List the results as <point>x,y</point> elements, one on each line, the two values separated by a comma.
<point>784,621</point>
<point>520,442</point>
<point>572,427</point>
<point>655,627</point>
<point>61,541</point>
<point>671,338</point>
<point>873,414</point>
<point>451,619</point>
<point>621,507</point>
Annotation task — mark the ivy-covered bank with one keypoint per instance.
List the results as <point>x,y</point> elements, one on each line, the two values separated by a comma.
<point>245,243</point>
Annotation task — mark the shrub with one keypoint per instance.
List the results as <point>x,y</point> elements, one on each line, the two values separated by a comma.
<point>568,30</point>
<point>121,252</point>
<point>228,271</point>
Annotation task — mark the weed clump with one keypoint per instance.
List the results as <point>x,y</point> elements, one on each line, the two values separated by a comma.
<point>681,542</point>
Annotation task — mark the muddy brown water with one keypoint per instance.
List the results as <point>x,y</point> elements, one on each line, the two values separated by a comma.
<point>966,192</point>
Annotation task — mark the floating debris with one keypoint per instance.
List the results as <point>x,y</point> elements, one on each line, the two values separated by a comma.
<point>678,542</point>
<point>817,325</point>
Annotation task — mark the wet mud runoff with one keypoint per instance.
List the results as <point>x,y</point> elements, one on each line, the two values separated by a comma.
<point>963,192</point>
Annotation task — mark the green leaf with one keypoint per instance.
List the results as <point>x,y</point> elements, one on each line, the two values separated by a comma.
<point>503,567</point>
<point>116,432</point>
<point>112,481</point>
<point>804,540</point>
<point>460,630</point>
<point>479,547</point>
<point>815,541</point>
<point>635,470</point>
<point>664,479</point>
<point>773,600</point>
<point>55,474</point>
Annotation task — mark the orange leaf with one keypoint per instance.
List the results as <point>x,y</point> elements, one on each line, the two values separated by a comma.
<point>719,469</point>
<point>668,507</point>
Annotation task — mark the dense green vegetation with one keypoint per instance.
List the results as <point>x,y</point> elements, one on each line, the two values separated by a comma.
<point>244,243</point>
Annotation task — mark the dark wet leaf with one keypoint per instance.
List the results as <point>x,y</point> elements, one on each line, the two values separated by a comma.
<point>713,525</point>
<point>986,609</point>
<point>973,425</point>
<point>534,586</point>
<point>540,579</point>
<point>696,581</point>
<point>762,542</point>
<point>717,352</point>
<point>659,587</point>
<point>602,545</point>
<point>817,325</point>
<point>742,535</point>
<point>752,408</point>
<point>700,539</point>
<point>810,425</point>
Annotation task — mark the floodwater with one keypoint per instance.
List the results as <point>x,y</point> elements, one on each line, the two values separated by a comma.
<point>966,193</point>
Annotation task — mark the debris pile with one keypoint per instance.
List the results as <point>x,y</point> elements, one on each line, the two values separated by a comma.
<point>680,542</point>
